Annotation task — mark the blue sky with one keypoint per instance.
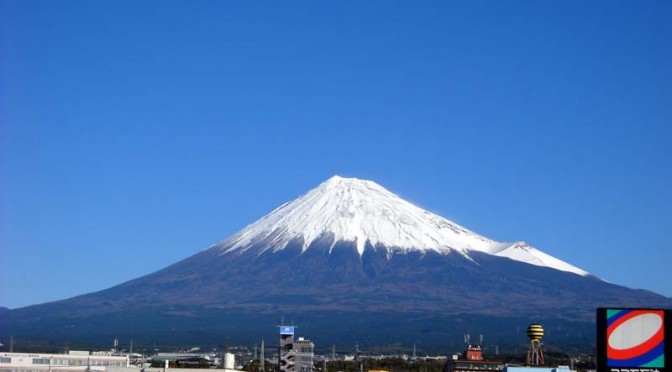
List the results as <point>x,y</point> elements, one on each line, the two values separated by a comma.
<point>134,134</point>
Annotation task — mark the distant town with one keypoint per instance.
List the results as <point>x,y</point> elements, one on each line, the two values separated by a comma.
<point>629,340</point>
<point>290,353</point>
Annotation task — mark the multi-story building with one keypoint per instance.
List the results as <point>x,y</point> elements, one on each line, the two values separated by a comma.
<point>295,355</point>
<point>304,356</point>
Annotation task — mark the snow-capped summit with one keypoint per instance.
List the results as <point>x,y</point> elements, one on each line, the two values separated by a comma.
<point>355,210</point>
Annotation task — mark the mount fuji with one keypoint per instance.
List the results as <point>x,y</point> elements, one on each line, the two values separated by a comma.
<point>349,261</point>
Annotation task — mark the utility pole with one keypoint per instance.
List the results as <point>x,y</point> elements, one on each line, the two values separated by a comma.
<point>262,360</point>
<point>361,366</point>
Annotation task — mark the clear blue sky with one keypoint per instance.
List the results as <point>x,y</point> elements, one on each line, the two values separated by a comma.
<point>135,134</point>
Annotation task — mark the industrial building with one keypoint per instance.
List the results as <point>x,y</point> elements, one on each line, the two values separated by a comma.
<point>186,360</point>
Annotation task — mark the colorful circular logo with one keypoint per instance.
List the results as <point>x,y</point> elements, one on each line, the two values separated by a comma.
<point>635,338</point>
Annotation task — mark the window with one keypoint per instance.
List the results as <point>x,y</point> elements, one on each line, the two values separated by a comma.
<point>5,360</point>
<point>40,361</point>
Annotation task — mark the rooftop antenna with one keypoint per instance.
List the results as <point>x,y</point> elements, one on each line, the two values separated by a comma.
<point>333,352</point>
<point>413,351</point>
<point>480,340</point>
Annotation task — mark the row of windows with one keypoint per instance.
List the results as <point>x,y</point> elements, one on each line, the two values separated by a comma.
<point>91,362</point>
<point>5,360</point>
<point>72,362</point>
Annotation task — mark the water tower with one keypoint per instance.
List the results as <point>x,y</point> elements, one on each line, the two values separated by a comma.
<point>535,356</point>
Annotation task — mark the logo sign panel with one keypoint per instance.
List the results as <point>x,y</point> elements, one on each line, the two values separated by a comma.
<point>634,340</point>
<point>286,330</point>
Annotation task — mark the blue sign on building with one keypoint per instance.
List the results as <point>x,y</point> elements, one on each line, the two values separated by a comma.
<point>286,330</point>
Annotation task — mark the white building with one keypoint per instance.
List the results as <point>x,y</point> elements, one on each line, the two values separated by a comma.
<point>73,362</point>
<point>86,362</point>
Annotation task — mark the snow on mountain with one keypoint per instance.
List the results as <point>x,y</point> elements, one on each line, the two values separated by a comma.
<point>358,211</point>
<point>520,251</point>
